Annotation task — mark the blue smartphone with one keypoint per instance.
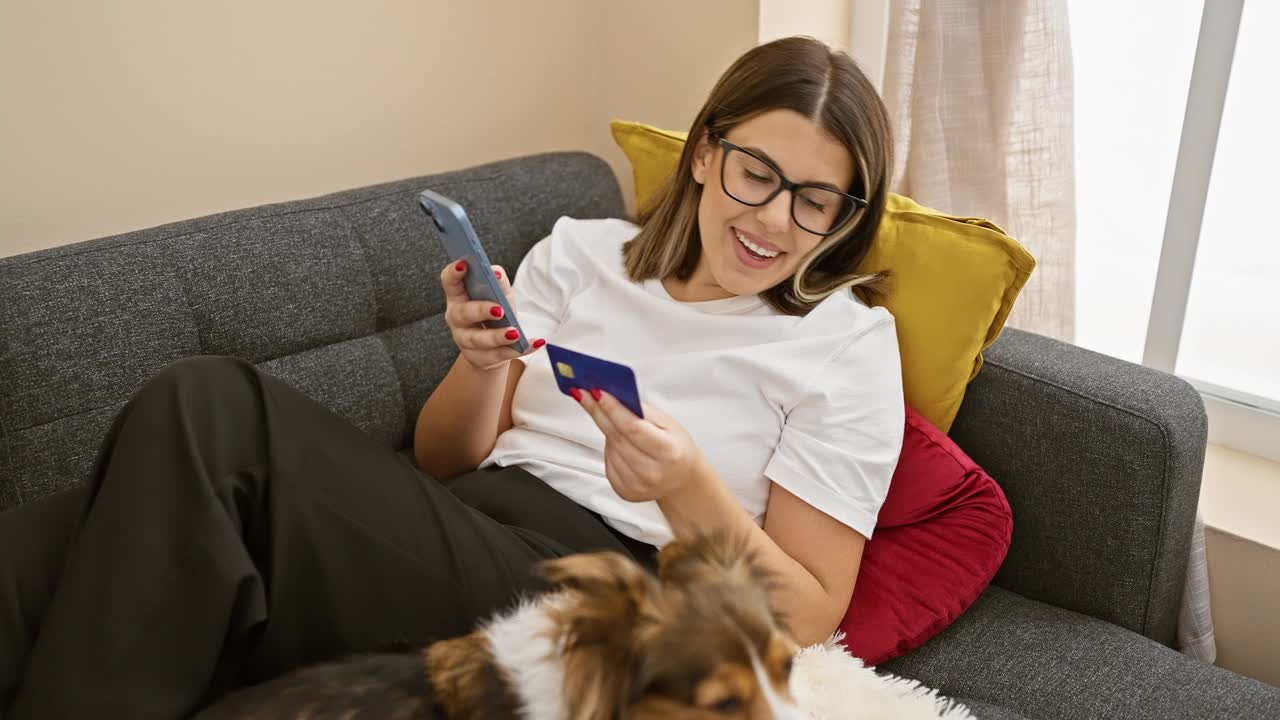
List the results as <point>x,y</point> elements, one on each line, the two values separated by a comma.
<point>460,243</point>
<point>574,369</point>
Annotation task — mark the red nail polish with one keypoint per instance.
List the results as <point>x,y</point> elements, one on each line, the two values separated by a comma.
<point>576,393</point>
<point>461,266</point>
<point>497,274</point>
<point>496,311</point>
<point>539,343</point>
<point>513,334</point>
<point>595,394</point>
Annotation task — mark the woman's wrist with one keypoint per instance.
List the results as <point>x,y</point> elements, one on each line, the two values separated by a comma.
<point>700,503</point>
<point>492,371</point>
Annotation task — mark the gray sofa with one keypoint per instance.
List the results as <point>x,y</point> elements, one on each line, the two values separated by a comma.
<point>338,295</point>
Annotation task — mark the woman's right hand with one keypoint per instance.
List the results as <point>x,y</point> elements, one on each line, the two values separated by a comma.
<point>484,348</point>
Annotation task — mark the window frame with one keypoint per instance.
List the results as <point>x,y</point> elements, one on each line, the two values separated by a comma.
<point>1237,419</point>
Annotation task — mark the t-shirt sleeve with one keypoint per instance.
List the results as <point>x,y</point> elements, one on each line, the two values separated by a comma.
<point>842,437</point>
<point>545,282</point>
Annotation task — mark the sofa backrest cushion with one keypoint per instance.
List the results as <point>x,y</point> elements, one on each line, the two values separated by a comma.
<point>338,295</point>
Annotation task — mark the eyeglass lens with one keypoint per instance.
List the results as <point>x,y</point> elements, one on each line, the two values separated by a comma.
<point>751,181</point>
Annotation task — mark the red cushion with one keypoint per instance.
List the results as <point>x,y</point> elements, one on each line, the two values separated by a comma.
<point>941,535</point>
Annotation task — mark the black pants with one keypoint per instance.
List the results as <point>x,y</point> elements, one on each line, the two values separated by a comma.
<point>233,528</point>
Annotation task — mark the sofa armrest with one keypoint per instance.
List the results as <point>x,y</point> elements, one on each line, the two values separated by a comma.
<point>1101,462</point>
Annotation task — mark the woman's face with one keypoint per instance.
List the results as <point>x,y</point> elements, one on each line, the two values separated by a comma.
<point>805,153</point>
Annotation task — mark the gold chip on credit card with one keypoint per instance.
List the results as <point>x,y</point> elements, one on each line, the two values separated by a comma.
<point>575,370</point>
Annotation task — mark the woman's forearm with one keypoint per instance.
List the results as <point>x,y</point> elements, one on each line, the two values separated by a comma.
<point>704,504</point>
<point>458,425</point>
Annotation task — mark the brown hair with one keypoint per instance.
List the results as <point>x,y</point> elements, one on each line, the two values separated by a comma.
<point>804,75</point>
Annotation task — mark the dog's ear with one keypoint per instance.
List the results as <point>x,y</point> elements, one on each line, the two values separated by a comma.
<point>716,552</point>
<point>718,558</point>
<point>606,619</point>
<point>598,573</point>
<point>672,556</point>
<point>611,591</point>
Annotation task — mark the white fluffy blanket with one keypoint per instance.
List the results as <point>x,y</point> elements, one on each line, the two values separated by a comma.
<point>830,684</point>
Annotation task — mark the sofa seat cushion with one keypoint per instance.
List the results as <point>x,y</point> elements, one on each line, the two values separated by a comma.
<point>1046,662</point>
<point>987,711</point>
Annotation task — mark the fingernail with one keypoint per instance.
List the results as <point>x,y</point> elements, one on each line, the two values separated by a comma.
<point>595,394</point>
<point>539,343</point>
<point>496,311</point>
<point>576,393</point>
<point>461,266</point>
<point>513,334</point>
<point>497,274</point>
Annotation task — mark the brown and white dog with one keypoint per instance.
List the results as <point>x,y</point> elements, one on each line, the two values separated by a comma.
<point>610,642</point>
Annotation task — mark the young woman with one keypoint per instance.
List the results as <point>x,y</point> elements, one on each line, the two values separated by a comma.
<point>233,528</point>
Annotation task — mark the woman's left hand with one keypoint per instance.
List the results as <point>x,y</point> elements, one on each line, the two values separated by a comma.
<point>644,458</point>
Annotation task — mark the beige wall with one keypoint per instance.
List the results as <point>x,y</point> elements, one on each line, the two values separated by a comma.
<point>826,20</point>
<point>660,61</point>
<point>124,115</point>
<point>1238,501</point>
<point>1244,587</point>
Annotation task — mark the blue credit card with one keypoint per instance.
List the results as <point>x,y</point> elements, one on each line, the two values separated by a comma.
<point>575,369</point>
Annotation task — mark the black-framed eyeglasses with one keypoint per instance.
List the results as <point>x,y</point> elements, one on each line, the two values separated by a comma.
<point>752,180</point>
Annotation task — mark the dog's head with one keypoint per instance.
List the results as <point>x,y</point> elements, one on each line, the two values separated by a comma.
<point>700,640</point>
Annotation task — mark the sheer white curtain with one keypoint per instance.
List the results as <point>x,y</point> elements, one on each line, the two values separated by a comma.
<point>980,94</point>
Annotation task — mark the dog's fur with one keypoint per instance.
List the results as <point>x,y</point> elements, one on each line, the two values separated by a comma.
<point>611,641</point>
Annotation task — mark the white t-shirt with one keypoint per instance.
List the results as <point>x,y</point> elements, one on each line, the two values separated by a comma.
<point>811,403</point>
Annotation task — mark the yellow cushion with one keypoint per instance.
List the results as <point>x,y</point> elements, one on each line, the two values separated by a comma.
<point>952,283</point>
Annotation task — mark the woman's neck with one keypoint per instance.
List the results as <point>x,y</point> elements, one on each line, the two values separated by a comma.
<point>696,289</point>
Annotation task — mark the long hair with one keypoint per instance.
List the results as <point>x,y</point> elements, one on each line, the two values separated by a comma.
<point>804,75</point>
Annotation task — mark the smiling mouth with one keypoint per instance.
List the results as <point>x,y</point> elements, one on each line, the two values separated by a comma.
<point>754,249</point>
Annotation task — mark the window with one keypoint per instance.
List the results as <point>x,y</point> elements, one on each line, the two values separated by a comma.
<point>1130,93</point>
<point>1174,178</point>
<point>1231,335</point>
